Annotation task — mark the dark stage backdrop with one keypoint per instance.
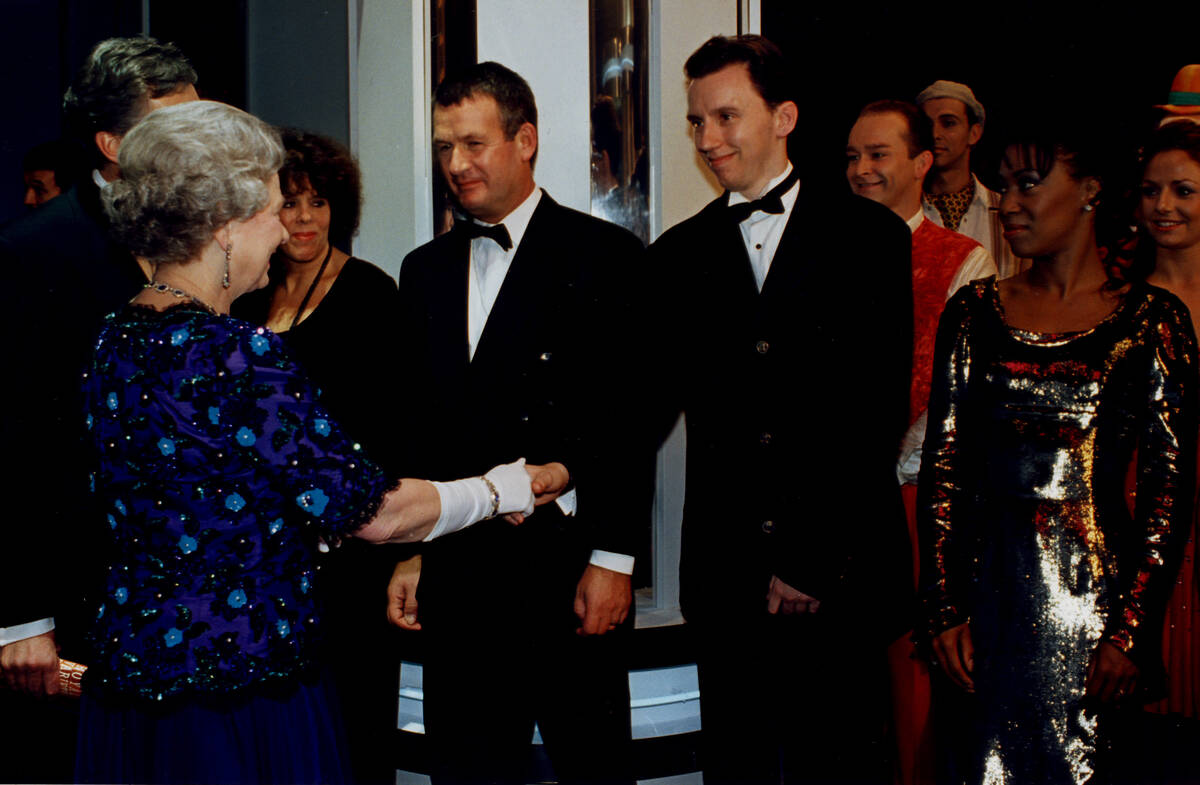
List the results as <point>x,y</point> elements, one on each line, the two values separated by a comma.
<point>1110,64</point>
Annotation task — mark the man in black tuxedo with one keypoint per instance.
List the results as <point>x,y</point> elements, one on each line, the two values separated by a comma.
<point>64,274</point>
<point>788,314</point>
<point>516,332</point>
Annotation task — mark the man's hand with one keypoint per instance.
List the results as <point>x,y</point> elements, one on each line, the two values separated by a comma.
<point>782,598</point>
<point>547,481</point>
<point>1111,676</point>
<point>602,600</point>
<point>955,653</point>
<point>31,665</point>
<point>402,594</point>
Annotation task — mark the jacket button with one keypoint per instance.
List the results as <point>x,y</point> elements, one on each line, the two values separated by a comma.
<point>544,357</point>
<point>761,347</point>
<point>524,418</point>
<point>764,438</point>
<point>768,526</point>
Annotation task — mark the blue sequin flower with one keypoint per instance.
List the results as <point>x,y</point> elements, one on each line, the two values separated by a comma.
<point>313,501</point>
<point>90,420</point>
<point>166,446</point>
<point>121,594</point>
<point>274,526</point>
<point>179,336</point>
<point>119,506</point>
<point>112,522</point>
<point>304,584</point>
<point>259,344</point>
<point>214,415</point>
<point>187,544</point>
<point>111,401</point>
<point>173,637</point>
<point>321,426</point>
<point>283,628</point>
<point>100,611</point>
<point>246,437</point>
<point>234,502</point>
<point>236,599</point>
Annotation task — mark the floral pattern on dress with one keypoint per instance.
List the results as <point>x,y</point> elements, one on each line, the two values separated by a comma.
<point>216,470</point>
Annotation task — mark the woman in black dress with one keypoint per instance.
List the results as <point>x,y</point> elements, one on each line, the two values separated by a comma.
<point>334,312</point>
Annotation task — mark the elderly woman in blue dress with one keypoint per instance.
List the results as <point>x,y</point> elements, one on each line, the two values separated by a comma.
<point>218,472</point>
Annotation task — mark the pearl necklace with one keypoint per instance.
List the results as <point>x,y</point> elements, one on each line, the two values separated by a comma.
<point>171,290</point>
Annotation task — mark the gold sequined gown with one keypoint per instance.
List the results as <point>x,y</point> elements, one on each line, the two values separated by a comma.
<point>1024,527</point>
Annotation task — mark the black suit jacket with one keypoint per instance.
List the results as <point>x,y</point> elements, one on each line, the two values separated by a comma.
<point>549,381</point>
<point>64,275</point>
<point>795,401</point>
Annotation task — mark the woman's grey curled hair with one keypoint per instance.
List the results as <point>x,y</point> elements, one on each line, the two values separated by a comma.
<point>186,171</point>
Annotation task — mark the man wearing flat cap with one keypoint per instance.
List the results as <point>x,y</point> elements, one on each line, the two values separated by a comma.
<point>954,198</point>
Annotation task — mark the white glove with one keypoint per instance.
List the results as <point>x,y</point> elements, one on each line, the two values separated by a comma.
<point>504,489</point>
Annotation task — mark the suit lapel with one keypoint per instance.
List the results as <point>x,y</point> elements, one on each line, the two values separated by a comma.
<point>789,266</point>
<point>450,347</point>
<point>520,292</point>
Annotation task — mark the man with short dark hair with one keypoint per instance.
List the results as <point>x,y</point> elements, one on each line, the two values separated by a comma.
<point>888,154</point>
<point>954,197</point>
<point>65,274</point>
<point>785,327</point>
<point>515,332</point>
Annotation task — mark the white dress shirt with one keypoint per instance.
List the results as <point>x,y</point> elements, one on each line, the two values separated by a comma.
<point>761,232</point>
<point>487,270</point>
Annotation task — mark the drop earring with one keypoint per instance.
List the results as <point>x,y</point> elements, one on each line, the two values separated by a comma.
<point>228,254</point>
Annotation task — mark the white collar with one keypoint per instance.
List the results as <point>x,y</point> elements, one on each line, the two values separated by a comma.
<point>517,221</point>
<point>737,197</point>
<point>99,180</point>
<point>915,222</point>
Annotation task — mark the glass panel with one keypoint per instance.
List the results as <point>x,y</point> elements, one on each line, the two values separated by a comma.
<point>451,48</point>
<point>620,129</point>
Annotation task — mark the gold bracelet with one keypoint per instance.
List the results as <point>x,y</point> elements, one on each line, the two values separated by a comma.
<point>495,497</point>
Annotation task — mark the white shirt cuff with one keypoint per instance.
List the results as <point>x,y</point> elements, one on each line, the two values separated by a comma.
<point>617,562</point>
<point>567,502</point>
<point>30,629</point>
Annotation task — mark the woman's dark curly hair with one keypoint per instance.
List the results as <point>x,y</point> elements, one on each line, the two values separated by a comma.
<point>327,167</point>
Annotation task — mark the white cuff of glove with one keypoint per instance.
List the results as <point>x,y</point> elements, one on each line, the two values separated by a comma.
<point>502,490</point>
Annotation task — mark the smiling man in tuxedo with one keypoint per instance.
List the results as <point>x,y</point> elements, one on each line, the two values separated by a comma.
<point>516,337</point>
<point>794,566</point>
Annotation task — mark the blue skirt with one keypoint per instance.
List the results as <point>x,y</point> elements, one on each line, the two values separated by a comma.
<point>294,737</point>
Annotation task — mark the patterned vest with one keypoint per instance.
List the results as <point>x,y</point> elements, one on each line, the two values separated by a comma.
<point>937,254</point>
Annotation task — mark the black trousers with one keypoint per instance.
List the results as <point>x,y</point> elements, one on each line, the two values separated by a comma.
<point>502,653</point>
<point>792,699</point>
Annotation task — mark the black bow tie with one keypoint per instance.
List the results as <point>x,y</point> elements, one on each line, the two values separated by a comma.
<point>497,232</point>
<point>772,202</point>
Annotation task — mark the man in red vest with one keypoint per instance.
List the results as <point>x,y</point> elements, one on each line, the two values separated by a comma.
<point>889,152</point>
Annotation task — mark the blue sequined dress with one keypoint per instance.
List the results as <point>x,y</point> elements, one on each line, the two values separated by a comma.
<point>216,472</point>
<point>1025,530</point>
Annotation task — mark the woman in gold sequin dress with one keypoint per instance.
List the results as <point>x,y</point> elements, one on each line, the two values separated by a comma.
<point>1043,596</point>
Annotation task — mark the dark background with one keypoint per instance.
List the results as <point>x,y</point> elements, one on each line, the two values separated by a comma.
<point>1109,65</point>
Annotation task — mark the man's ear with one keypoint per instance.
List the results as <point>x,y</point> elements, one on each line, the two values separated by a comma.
<point>922,164</point>
<point>527,140</point>
<point>786,115</point>
<point>974,133</point>
<point>109,143</point>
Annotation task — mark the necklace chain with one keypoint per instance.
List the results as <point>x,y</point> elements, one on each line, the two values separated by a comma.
<point>158,286</point>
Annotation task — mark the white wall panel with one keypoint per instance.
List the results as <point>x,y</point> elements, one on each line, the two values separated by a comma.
<point>547,43</point>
